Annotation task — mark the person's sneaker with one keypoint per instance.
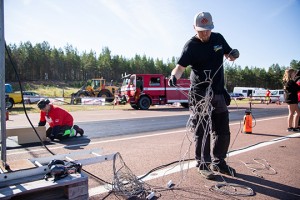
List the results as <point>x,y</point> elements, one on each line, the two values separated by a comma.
<point>290,129</point>
<point>78,130</point>
<point>296,129</point>
<point>223,169</point>
<point>205,172</point>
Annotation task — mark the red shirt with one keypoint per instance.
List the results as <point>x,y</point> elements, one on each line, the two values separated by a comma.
<point>268,93</point>
<point>56,117</point>
<point>298,83</point>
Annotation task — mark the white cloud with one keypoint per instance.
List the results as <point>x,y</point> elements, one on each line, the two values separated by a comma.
<point>124,13</point>
<point>281,9</point>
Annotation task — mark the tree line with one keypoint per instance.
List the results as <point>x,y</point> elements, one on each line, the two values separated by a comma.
<point>41,62</point>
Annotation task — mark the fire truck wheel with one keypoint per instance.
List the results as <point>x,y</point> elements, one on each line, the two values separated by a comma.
<point>144,103</point>
<point>185,105</point>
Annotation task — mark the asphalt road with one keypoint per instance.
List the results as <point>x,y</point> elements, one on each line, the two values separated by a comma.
<point>148,139</point>
<point>112,123</point>
<point>146,125</point>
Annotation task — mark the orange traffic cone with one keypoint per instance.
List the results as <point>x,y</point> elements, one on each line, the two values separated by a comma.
<point>247,122</point>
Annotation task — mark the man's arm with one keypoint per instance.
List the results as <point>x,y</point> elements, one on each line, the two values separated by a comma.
<point>178,71</point>
<point>42,121</point>
<point>175,75</point>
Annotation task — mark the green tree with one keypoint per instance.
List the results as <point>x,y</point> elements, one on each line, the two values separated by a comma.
<point>40,62</point>
<point>89,67</point>
<point>295,64</point>
<point>105,63</point>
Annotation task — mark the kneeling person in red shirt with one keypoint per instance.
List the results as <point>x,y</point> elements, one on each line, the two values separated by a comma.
<point>60,121</point>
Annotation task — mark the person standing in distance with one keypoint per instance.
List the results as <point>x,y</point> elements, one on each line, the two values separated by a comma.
<point>206,51</point>
<point>268,96</point>
<point>60,121</point>
<point>291,89</point>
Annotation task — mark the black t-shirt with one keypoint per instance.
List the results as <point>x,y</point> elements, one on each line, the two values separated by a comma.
<point>206,56</point>
<point>291,92</point>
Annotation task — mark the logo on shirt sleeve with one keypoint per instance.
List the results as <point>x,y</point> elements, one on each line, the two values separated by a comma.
<point>217,48</point>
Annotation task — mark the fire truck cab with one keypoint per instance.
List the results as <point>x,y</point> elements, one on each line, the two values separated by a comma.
<point>144,90</point>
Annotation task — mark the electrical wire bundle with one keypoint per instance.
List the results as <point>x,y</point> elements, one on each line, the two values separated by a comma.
<point>259,167</point>
<point>200,114</point>
<point>200,117</point>
<point>125,183</point>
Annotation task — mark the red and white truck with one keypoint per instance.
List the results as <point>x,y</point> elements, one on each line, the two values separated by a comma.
<point>144,90</point>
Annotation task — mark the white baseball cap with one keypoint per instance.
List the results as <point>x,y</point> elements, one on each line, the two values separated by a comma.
<point>203,21</point>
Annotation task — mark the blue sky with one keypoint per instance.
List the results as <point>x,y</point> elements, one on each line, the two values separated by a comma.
<point>266,32</point>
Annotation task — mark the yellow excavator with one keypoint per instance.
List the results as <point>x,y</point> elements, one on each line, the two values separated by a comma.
<point>95,88</point>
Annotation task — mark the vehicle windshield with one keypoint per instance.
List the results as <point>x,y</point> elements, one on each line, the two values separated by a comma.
<point>97,83</point>
<point>274,93</point>
<point>129,81</point>
<point>125,81</point>
<point>132,80</point>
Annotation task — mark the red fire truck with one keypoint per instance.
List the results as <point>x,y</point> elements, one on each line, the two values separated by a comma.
<point>144,90</point>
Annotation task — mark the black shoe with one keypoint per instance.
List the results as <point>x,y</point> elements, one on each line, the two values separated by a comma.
<point>296,130</point>
<point>51,137</point>
<point>290,129</point>
<point>78,130</point>
<point>205,172</point>
<point>223,169</point>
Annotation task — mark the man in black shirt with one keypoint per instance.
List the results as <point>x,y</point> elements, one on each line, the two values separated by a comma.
<point>204,53</point>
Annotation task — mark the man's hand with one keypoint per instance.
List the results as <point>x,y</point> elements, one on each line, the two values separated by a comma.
<point>172,81</point>
<point>42,123</point>
<point>234,54</point>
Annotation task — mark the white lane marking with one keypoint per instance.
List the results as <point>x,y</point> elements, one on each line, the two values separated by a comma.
<point>263,144</point>
<point>170,170</point>
<point>190,164</point>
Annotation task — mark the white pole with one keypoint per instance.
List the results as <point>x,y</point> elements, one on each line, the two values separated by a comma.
<point>2,85</point>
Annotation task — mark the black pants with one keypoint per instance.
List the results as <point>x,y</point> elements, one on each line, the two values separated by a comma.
<point>57,132</point>
<point>212,133</point>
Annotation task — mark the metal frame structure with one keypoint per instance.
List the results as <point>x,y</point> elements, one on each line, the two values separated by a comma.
<point>24,175</point>
<point>2,86</point>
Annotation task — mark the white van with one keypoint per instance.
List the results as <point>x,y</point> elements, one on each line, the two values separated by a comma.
<point>247,91</point>
<point>259,94</point>
<point>278,94</point>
